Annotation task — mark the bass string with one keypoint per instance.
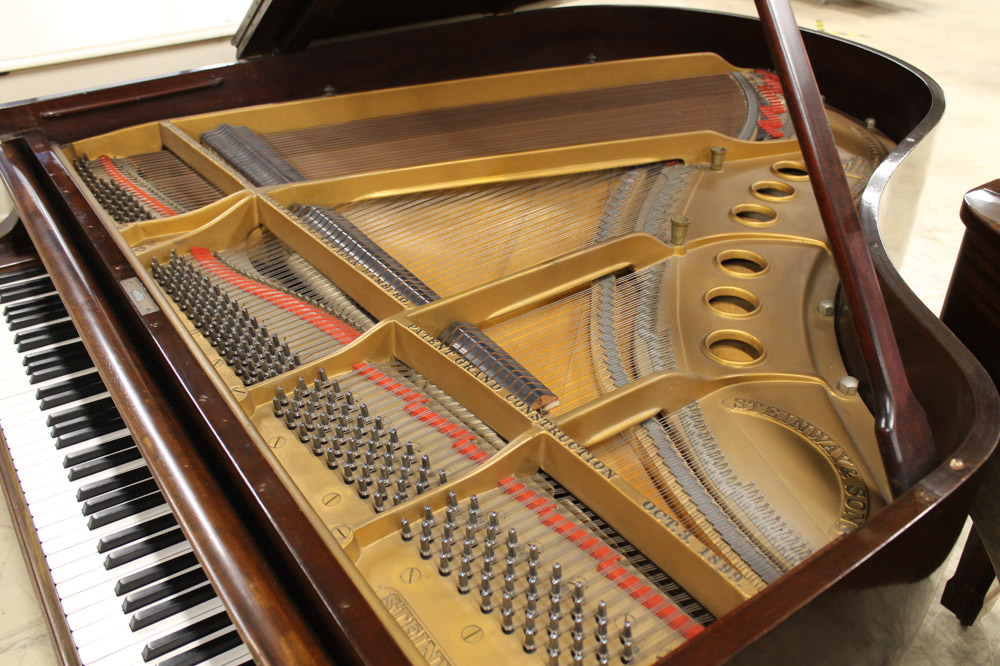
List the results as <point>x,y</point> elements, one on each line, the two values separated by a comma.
<point>517,125</point>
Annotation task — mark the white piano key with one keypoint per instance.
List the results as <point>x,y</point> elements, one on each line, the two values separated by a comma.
<point>105,591</point>
<point>100,576</point>
<point>54,541</point>
<point>26,460</point>
<point>101,639</point>
<point>68,489</point>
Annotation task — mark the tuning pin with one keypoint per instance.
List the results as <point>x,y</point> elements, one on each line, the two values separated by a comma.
<point>512,545</point>
<point>442,477</point>
<point>363,482</point>
<point>464,572</point>
<point>429,517</point>
<point>405,530</point>
<point>444,561</point>
<point>507,611</point>
<point>601,634</point>
<point>532,592</point>
<point>323,379</point>
<point>553,650</point>
<point>533,563</point>
<point>470,535</point>
<point>628,649</point>
<point>529,633</point>
<point>485,594</point>
<point>578,601</point>
<point>379,499</point>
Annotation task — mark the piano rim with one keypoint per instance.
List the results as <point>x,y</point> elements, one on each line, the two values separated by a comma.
<point>28,128</point>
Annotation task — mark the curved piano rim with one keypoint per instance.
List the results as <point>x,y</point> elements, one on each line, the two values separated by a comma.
<point>881,572</point>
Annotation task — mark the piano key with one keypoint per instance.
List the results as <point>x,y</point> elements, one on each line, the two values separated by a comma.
<point>55,411</point>
<point>177,639</point>
<point>71,389</point>
<point>96,575</point>
<point>135,532</point>
<point>118,496</point>
<point>199,654</point>
<point>57,367</point>
<point>38,461</point>
<point>22,274</point>
<point>129,508</point>
<point>139,549</point>
<point>26,289</point>
<point>171,586</point>
<point>95,488</point>
<point>125,649</point>
<point>59,331</point>
<point>182,602</point>
<point>101,464</point>
<point>110,426</point>
<point>72,534</point>
<point>53,491</point>
<point>51,303</point>
<point>167,567</point>
<point>67,418</point>
<point>99,639</point>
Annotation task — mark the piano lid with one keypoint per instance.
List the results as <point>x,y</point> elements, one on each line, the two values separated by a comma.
<point>281,26</point>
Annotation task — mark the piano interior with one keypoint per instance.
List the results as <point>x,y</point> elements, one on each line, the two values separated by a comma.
<point>554,350</point>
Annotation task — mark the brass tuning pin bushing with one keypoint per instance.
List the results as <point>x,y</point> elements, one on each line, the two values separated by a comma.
<point>718,157</point>
<point>679,229</point>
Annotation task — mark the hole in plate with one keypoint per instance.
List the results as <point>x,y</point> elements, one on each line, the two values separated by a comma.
<point>734,348</point>
<point>772,190</point>
<point>741,263</point>
<point>732,301</point>
<point>790,170</point>
<point>754,215</point>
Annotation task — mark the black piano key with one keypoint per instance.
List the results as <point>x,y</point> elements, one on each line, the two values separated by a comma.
<point>155,572</point>
<point>98,451</point>
<point>89,432</point>
<point>162,590</point>
<point>44,357</point>
<point>36,311</point>
<point>67,425</point>
<point>34,306</point>
<point>18,291</point>
<point>130,508</point>
<point>47,335</point>
<point>147,616</point>
<point>96,488</point>
<point>86,411</point>
<point>22,274</point>
<point>47,370</point>
<point>134,551</point>
<point>67,391</point>
<point>100,464</point>
<point>132,534</point>
<point>204,651</point>
<point>189,634</point>
<point>110,499</point>
<point>27,320</point>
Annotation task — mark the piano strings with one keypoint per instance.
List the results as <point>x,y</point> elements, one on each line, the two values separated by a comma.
<point>742,104</point>
<point>502,228</point>
<point>146,186</point>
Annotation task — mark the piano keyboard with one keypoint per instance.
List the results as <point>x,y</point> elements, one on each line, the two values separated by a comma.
<point>130,586</point>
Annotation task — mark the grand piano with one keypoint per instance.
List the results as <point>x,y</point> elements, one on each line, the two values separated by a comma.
<point>419,337</point>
